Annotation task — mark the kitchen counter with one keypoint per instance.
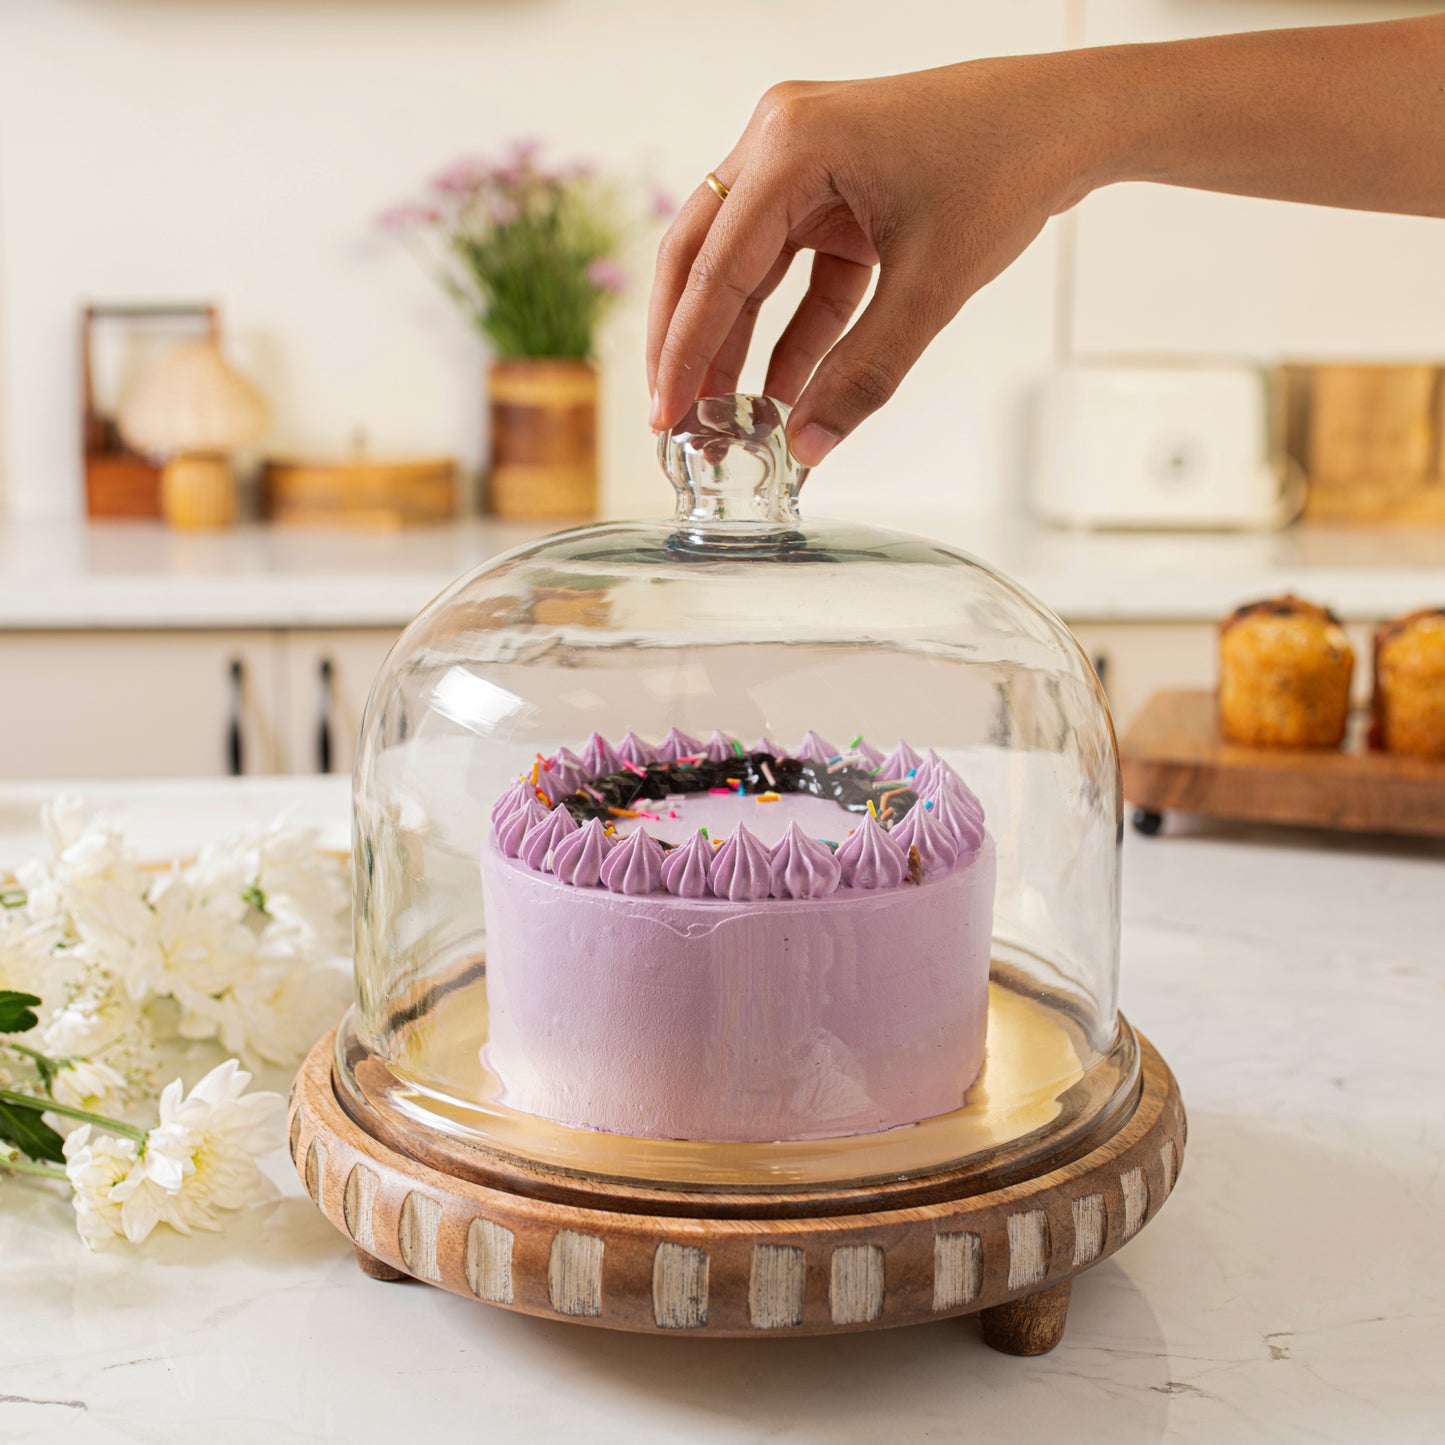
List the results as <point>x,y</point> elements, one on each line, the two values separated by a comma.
<point>143,575</point>
<point>1289,1290</point>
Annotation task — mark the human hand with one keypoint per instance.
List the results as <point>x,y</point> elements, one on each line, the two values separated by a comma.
<point>939,178</point>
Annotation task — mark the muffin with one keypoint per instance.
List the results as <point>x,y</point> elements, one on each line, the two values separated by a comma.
<point>1410,684</point>
<point>1284,675</point>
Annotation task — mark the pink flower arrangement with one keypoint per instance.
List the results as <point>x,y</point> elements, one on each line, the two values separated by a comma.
<point>528,252</point>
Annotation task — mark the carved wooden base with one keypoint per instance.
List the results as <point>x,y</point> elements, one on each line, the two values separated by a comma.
<point>1009,1253</point>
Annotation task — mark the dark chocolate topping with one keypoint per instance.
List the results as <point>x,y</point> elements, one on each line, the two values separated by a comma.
<point>852,788</point>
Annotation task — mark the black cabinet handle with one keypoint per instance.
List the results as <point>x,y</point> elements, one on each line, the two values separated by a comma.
<point>235,755</point>
<point>323,723</point>
<point>1101,670</point>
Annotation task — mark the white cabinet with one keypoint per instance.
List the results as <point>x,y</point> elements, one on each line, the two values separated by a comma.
<point>171,703</point>
<point>137,704</point>
<point>1135,659</point>
<point>326,680</point>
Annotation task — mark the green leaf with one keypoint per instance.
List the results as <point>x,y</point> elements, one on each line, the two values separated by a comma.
<point>17,1011</point>
<point>28,1132</point>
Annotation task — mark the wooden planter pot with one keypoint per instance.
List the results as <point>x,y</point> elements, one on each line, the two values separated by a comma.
<point>544,440</point>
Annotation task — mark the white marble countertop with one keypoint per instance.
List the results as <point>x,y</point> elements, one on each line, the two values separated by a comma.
<point>1289,1291</point>
<point>143,575</point>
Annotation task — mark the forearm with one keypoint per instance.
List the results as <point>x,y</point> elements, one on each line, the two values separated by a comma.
<point>1350,116</point>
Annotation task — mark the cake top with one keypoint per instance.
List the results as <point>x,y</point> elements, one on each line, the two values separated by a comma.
<point>1287,606</point>
<point>1426,619</point>
<point>715,819</point>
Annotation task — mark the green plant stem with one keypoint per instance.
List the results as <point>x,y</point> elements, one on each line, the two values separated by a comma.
<point>49,1106</point>
<point>24,1166</point>
<point>44,1060</point>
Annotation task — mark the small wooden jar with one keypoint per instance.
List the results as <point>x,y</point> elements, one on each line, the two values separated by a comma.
<point>198,491</point>
<point>544,439</point>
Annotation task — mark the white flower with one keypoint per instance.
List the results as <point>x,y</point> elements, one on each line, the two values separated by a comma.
<point>276,1011</point>
<point>117,932</point>
<point>98,1018</point>
<point>24,950</point>
<point>201,1157</point>
<point>201,943</point>
<point>303,886</point>
<point>90,868</point>
<point>98,1169</point>
<point>88,1084</point>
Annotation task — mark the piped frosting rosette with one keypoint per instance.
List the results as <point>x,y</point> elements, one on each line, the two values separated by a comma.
<point>581,818</point>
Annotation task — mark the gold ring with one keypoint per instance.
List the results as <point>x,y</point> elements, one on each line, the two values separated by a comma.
<point>718,189</point>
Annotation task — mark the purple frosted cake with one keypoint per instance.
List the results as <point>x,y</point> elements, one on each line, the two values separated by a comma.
<point>695,940</point>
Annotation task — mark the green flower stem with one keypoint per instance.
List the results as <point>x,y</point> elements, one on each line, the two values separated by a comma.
<point>44,1060</point>
<point>24,1166</point>
<point>49,1106</point>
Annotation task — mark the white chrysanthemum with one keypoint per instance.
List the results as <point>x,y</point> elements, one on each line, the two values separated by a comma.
<point>90,1085</point>
<point>98,1168</point>
<point>117,932</point>
<point>201,1157</point>
<point>98,1018</point>
<point>303,886</point>
<point>24,952</point>
<point>91,870</point>
<point>275,1012</point>
<point>202,943</point>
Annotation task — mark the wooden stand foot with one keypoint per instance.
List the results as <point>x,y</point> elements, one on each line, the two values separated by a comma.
<point>1032,1325</point>
<point>375,1268</point>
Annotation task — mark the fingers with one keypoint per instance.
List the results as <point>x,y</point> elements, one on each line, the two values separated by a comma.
<point>834,291</point>
<point>727,365</point>
<point>675,256</point>
<point>738,253</point>
<point>915,299</point>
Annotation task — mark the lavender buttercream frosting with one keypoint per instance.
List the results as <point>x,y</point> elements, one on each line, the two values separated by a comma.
<point>870,858</point>
<point>510,800</point>
<point>634,865</point>
<point>935,776</point>
<point>719,748</point>
<point>742,870</point>
<point>901,762</point>
<point>960,820</point>
<point>818,749</point>
<point>515,826</point>
<point>578,857</point>
<point>543,837</point>
<point>685,870</point>
<point>676,745</point>
<point>599,757</point>
<point>867,754</point>
<point>802,867</point>
<point>632,749</point>
<point>936,845</point>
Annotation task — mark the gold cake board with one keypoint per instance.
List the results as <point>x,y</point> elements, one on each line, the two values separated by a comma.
<point>1009,1254</point>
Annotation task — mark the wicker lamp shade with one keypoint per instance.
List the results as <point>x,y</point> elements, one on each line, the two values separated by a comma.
<point>192,400</point>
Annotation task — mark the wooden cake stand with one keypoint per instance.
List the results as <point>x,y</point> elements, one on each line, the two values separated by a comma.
<point>835,1260</point>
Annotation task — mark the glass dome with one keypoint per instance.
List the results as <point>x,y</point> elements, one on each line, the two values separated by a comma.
<point>623,910</point>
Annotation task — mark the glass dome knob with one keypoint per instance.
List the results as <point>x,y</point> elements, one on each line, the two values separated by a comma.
<point>729,463</point>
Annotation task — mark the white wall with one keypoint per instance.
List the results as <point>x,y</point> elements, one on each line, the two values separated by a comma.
<point>239,149</point>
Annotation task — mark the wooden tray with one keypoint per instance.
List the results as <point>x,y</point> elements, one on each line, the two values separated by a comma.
<point>1174,759</point>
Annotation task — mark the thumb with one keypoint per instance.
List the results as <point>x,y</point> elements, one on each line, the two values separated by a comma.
<point>914,300</point>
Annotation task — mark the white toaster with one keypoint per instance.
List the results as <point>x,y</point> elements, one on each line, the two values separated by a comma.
<point>1162,445</point>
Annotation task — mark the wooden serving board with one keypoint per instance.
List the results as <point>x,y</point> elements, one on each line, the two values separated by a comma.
<point>1174,758</point>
